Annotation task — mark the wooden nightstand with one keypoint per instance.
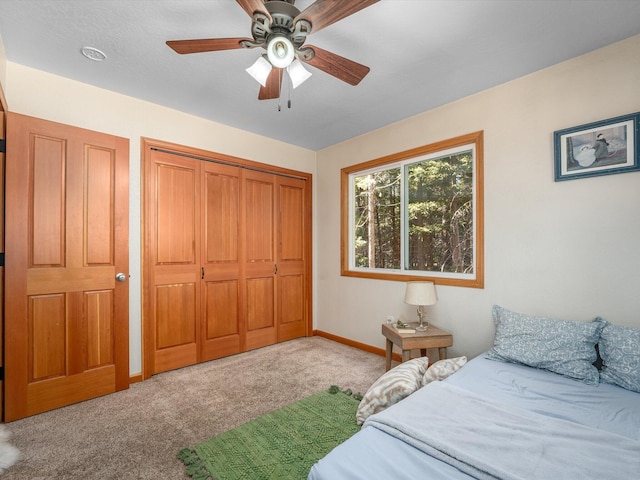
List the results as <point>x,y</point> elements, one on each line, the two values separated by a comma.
<point>433,337</point>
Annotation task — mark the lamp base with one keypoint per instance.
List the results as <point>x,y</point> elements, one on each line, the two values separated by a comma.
<point>422,327</point>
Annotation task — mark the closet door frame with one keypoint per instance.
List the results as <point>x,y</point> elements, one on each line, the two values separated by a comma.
<point>147,146</point>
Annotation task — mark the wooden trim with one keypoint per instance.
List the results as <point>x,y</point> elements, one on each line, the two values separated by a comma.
<point>3,107</point>
<point>309,255</point>
<point>3,101</point>
<point>398,277</point>
<point>135,378</point>
<point>416,152</point>
<point>352,343</point>
<point>478,139</point>
<point>146,326</point>
<point>205,155</point>
<point>3,135</point>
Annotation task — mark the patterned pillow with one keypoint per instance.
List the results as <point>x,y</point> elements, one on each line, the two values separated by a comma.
<point>398,383</point>
<point>442,369</point>
<point>560,346</point>
<point>620,351</point>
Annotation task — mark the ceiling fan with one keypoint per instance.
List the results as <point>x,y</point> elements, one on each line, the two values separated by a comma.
<point>281,29</point>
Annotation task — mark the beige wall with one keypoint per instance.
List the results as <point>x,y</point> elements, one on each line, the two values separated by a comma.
<point>567,249</point>
<point>562,249</point>
<point>39,94</point>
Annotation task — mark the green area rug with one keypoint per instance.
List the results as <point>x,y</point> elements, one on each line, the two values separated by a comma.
<point>283,444</point>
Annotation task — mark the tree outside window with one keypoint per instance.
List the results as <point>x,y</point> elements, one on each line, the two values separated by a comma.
<point>377,219</point>
<point>416,215</point>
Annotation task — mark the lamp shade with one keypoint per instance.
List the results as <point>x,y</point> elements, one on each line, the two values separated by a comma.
<point>260,70</point>
<point>280,51</point>
<point>420,293</point>
<point>297,73</point>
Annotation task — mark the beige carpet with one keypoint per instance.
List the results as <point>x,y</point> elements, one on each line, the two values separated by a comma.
<point>137,433</point>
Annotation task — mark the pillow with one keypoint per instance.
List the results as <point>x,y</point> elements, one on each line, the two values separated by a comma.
<point>620,351</point>
<point>398,383</point>
<point>560,346</point>
<point>442,369</point>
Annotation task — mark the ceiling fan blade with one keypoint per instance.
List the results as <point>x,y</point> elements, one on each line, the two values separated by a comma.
<point>252,6</point>
<point>206,44</point>
<point>340,67</point>
<point>274,83</point>
<point>323,13</point>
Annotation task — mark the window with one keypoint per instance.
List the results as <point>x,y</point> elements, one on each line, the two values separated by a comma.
<point>416,215</point>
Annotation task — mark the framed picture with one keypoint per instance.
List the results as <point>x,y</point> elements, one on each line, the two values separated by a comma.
<point>599,148</point>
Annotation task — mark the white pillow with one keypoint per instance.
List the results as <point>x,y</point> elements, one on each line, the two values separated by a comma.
<point>442,369</point>
<point>398,383</point>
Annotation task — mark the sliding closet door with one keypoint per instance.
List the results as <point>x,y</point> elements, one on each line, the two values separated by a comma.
<point>222,330</point>
<point>174,270</point>
<point>259,258</point>
<point>292,217</point>
<point>227,256</point>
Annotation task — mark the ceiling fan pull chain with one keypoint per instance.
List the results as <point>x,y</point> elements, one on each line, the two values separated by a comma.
<point>289,90</point>
<point>280,81</point>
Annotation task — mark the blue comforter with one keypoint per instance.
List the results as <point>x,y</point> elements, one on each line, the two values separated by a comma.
<point>489,440</point>
<point>497,420</point>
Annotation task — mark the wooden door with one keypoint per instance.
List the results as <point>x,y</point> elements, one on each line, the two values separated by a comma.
<point>67,318</point>
<point>173,220</point>
<point>292,299</point>
<point>222,328</point>
<point>258,289</point>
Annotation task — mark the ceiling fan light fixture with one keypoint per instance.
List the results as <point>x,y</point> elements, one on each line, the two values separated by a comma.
<point>280,51</point>
<point>297,73</point>
<point>260,70</point>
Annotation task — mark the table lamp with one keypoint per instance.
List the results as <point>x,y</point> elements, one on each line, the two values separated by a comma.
<point>421,294</point>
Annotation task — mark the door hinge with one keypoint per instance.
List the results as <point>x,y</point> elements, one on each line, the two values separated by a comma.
<point>3,145</point>
<point>1,259</point>
<point>1,374</point>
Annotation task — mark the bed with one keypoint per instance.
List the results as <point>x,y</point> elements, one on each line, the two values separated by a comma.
<point>507,414</point>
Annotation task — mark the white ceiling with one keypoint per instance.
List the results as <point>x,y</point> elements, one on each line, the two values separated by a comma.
<point>422,54</point>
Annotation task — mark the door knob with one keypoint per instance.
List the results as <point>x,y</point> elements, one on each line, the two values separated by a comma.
<point>121,277</point>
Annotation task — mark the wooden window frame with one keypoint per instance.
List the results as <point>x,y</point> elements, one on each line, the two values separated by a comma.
<point>476,138</point>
